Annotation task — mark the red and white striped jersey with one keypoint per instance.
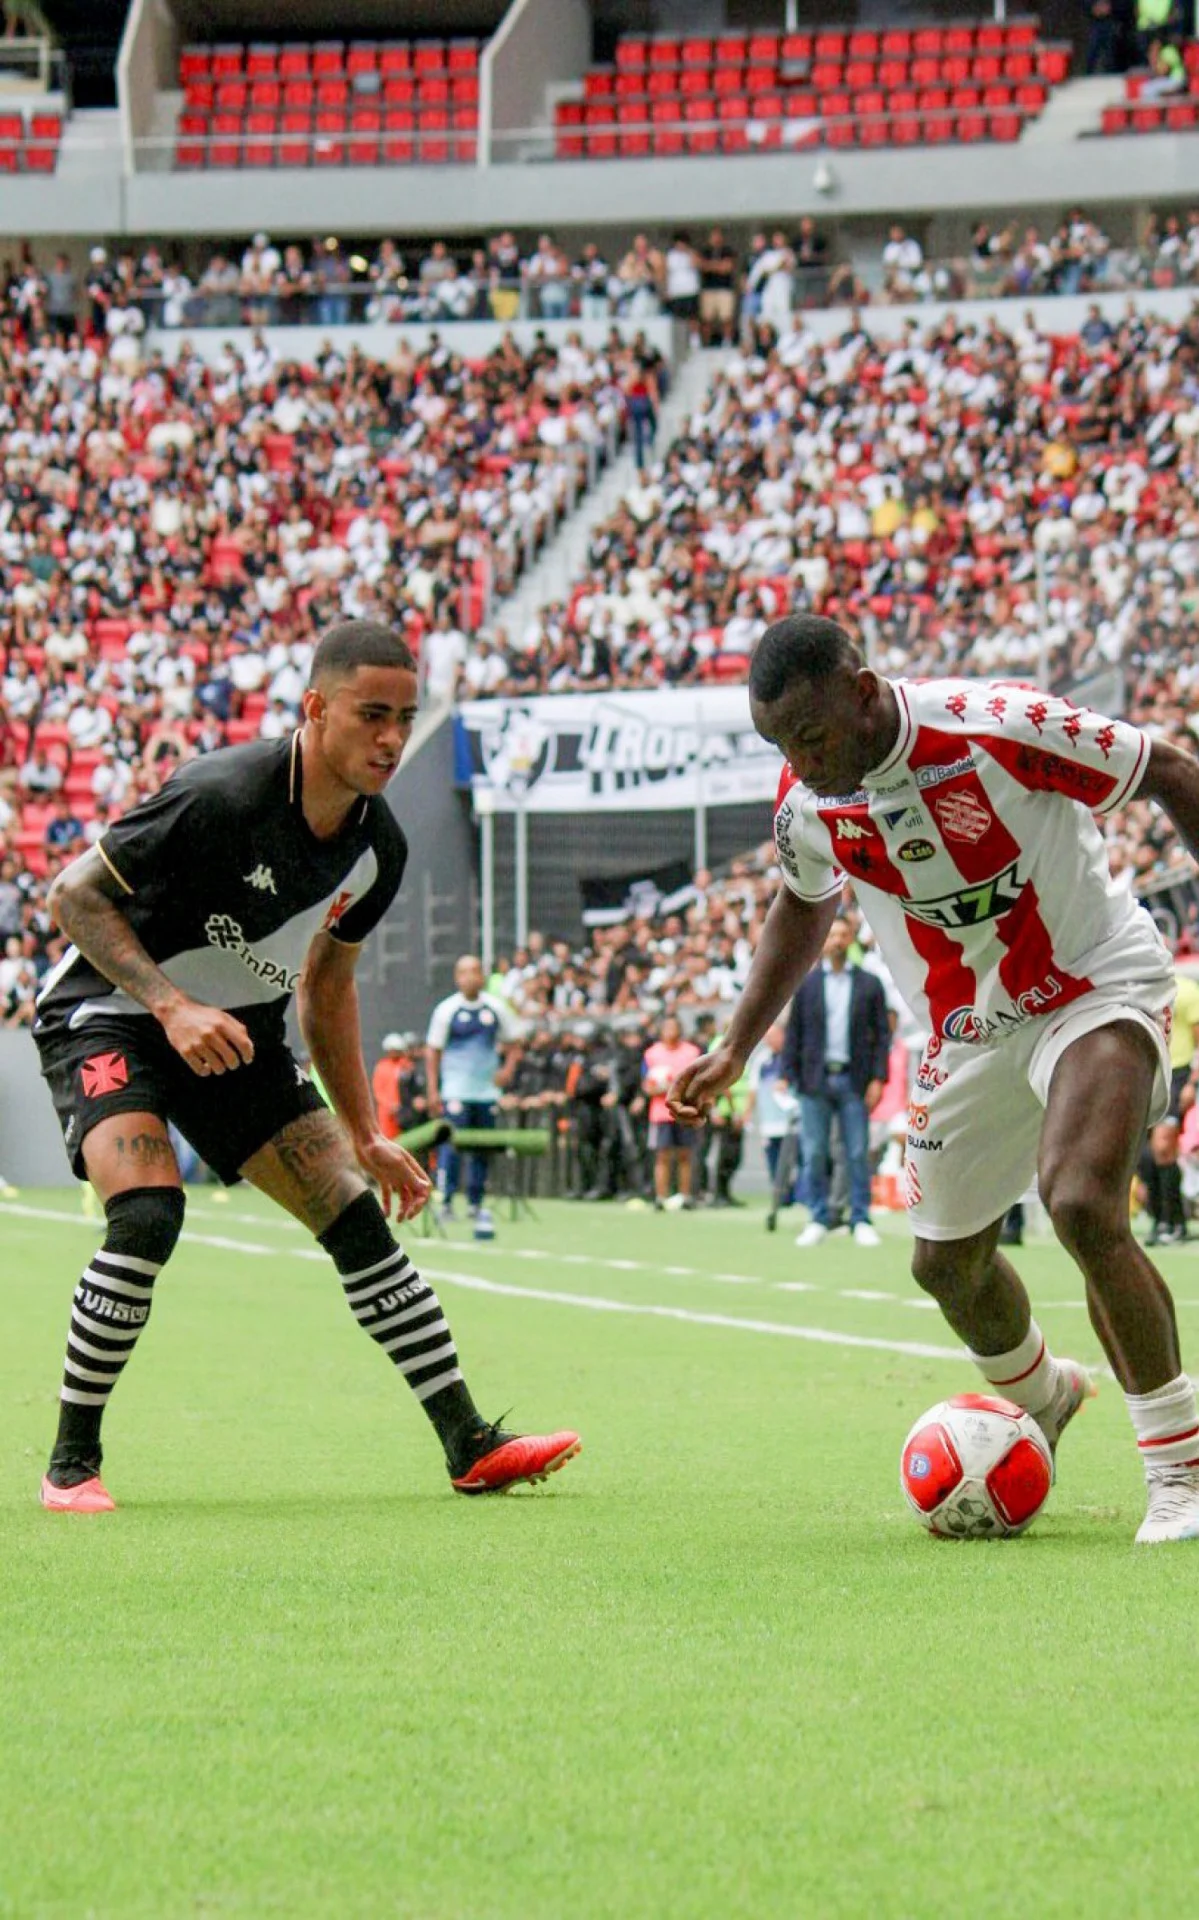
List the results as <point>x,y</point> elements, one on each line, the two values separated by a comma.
<point>975,857</point>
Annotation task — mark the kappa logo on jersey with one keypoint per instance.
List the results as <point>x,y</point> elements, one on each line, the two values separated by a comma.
<point>1105,740</point>
<point>1037,715</point>
<point>997,707</point>
<point>957,704</point>
<point>104,1073</point>
<point>917,850</point>
<point>961,816</point>
<point>972,905</point>
<point>225,933</point>
<point>1072,727</point>
<point>262,878</point>
<point>336,909</point>
<point>852,830</point>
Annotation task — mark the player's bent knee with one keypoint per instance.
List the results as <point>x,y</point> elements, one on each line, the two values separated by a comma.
<point>947,1268</point>
<point>144,1223</point>
<point>1086,1218</point>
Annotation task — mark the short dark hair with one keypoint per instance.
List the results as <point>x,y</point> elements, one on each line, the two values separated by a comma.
<point>358,643</point>
<point>803,646</point>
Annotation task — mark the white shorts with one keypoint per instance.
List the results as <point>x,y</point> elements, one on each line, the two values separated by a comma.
<point>974,1123</point>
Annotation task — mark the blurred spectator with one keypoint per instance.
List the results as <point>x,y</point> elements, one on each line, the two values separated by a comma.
<point>836,1056</point>
<point>672,1145</point>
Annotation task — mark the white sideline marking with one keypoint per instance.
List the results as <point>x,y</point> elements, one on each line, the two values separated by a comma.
<point>590,1303</point>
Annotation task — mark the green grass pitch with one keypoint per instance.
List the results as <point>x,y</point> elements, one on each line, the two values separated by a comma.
<point>712,1669</point>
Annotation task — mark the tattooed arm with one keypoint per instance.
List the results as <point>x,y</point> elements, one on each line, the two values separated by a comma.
<point>327,1003</point>
<point>85,901</point>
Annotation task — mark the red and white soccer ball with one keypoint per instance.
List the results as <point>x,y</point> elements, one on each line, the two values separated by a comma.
<point>976,1468</point>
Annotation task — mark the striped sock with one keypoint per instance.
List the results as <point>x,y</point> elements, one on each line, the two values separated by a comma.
<point>1166,1423</point>
<point>1027,1375</point>
<point>109,1310</point>
<point>402,1314</point>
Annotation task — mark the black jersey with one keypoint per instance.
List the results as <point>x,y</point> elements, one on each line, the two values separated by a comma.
<point>225,885</point>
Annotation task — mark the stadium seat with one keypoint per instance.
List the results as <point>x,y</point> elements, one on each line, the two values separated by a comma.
<point>328,59</point>
<point>295,63</point>
<point>462,56</point>
<point>295,142</point>
<point>262,59</point>
<point>362,56</point>
<point>395,57</point>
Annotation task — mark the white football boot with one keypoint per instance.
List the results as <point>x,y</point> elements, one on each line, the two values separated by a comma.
<point>1173,1506</point>
<point>1074,1385</point>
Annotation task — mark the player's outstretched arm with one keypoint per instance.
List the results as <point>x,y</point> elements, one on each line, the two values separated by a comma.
<point>85,902</point>
<point>1172,779</point>
<point>327,1004</point>
<point>791,943</point>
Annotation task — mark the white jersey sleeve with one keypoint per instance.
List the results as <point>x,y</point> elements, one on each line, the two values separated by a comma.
<point>807,873</point>
<point>1049,745</point>
<point>439,1021</point>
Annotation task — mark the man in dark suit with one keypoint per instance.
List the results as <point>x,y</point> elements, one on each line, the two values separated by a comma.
<point>836,1053</point>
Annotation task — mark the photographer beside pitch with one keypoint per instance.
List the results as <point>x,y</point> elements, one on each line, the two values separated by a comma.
<point>962,813</point>
<point>254,872</point>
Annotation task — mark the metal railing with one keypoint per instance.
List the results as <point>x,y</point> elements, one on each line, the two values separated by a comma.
<point>361,300</point>
<point>31,60</point>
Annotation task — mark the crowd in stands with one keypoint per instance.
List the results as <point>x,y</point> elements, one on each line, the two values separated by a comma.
<point>716,285</point>
<point>172,537</point>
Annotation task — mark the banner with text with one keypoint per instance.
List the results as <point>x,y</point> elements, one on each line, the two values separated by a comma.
<point>570,752</point>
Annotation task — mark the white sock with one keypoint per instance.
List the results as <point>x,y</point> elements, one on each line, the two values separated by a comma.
<point>1027,1375</point>
<point>1166,1423</point>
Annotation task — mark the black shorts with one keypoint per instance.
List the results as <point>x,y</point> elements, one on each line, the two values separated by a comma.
<point>128,1066</point>
<point>668,1136</point>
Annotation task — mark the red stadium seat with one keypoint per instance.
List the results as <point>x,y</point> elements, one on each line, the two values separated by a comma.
<point>332,93</point>
<point>262,59</point>
<point>40,159</point>
<point>696,51</point>
<point>830,44</point>
<point>859,73</point>
<point>864,45</point>
<point>362,56</point>
<point>226,62</point>
<point>662,82</point>
<point>598,83</point>
<point>959,39</point>
<point>45,126</point>
<point>695,80</point>
<point>433,89</point>
<point>727,79</point>
<point>1053,64</point>
<point>366,126</point>
<point>875,131</point>
<point>395,57</point>
<point>295,143</point>
<point>295,63</point>
<point>231,96</point>
<point>265,95</point>
<point>796,49</point>
<point>938,128</point>
<point>1005,126</point>
<point>399,146</point>
<point>328,58</point>
<point>731,50</point>
<point>665,51</point>
<point>399,90</point>
<point>464,90</point>
<point>1182,115</point>
<point>631,51</point>
<point>1116,119</point>
<point>892,73</point>
<point>840,133</point>
<point>462,56</point>
<point>195,63</point>
<point>297,94</point>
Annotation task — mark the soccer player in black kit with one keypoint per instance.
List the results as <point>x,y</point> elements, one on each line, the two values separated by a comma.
<point>254,873</point>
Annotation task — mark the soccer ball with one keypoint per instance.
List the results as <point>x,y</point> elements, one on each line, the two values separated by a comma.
<point>976,1468</point>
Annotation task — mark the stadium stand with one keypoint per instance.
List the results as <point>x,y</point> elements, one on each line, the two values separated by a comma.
<point>762,91</point>
<point>364,103</point>
<point>1144,109</point>
<point>29,144</point>
<point>170,546</point>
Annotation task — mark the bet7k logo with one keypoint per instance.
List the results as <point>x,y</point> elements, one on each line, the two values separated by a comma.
<point>969,908</point>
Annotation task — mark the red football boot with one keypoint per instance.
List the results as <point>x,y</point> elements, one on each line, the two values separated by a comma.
<point>509,1459</point>
<point>90,1496</point>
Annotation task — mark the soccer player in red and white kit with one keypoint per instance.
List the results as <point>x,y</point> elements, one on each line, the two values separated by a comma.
<point>962,813</point>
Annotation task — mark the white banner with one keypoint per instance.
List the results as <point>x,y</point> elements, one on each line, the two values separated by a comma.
<point>570,752</point>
